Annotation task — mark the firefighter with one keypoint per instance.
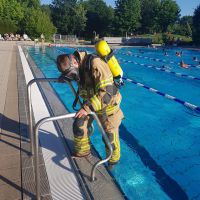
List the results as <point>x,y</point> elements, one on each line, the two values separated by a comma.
<point>100,95</point>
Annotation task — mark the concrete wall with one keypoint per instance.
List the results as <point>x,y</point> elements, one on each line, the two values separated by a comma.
<point>114,40</point>
<point>128,41</point>
<point>138,41</point>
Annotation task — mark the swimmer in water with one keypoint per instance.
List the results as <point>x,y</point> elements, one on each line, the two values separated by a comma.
<point>166,54</point>
<point>184,65</point>
<point>178,54</point>
<point>153,46</point>
<point>195,59</point>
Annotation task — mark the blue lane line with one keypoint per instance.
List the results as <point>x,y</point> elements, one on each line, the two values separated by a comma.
<point>184,103</point>
<point>155,59</point>
<point>168,184</point>
<point>161,69</point>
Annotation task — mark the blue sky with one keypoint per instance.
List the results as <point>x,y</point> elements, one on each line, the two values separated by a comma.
<point>187,6</point>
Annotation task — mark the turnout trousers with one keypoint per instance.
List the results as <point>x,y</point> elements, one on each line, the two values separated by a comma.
<point>110,124</point>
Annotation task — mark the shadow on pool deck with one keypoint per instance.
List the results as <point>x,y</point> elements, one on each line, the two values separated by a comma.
<point>47,136</point>
<point>15,185</point>
<point>10,165</point>
<point>10,125</point>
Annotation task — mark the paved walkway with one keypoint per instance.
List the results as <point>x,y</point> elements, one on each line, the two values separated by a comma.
<point>10,169</point>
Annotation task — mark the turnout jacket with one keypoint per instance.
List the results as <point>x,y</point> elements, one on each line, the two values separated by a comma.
<point>96,85</point>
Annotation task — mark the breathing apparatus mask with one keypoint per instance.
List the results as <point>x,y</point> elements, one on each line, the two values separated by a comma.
<point>71,72</point>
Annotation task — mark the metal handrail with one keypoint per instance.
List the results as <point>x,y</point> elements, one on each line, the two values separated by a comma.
<point>55,118</point>
<point>30,111</point>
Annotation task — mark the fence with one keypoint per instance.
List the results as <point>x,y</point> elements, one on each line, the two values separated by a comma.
<point>64,39</point>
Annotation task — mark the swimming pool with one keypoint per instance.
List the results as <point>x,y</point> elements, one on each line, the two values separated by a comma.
<point>159,138</point>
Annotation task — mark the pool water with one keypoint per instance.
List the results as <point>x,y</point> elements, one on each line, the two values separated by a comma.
<point>160,156</point>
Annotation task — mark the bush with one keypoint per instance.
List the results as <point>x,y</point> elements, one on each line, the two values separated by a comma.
<point>157,39</point>
<point>168,38</point>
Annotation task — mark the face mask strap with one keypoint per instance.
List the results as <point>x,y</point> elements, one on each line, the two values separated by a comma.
<point>66,71</point>
<point>71,73</point>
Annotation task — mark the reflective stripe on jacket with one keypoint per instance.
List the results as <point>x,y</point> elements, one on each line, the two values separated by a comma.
<point>98,89</point>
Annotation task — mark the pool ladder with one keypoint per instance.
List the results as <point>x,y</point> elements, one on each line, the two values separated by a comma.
<point>34,131</point>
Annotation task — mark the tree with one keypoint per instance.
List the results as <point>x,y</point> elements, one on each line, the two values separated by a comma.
<point>64,15</point>
<point>196,26</point>
<point>185,26</point>
<point>186,19</point>
<point>11,11</point>
<point>46,8</point>
<point>11,14</point>
<point>38,22</point>
<point>169,13</point>
<point>80,19</point>
<point>182,26</point>
<point>61,15</point>
<point>25,16</point>
<point>149,14</point>
<point>188,30</point>
<point>30,3</point>
<point>99,17</point>
<point>128,15</point>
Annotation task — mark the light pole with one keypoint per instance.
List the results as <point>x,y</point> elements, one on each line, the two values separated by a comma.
<point>95,34</point>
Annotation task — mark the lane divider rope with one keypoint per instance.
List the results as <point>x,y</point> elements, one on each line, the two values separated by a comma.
<point>155,59</point>
<point>161,69</point>
<point>170,97</point>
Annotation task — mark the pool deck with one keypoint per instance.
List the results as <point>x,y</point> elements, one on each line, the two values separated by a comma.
<point>16,165</point>
<point>10,167</point>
